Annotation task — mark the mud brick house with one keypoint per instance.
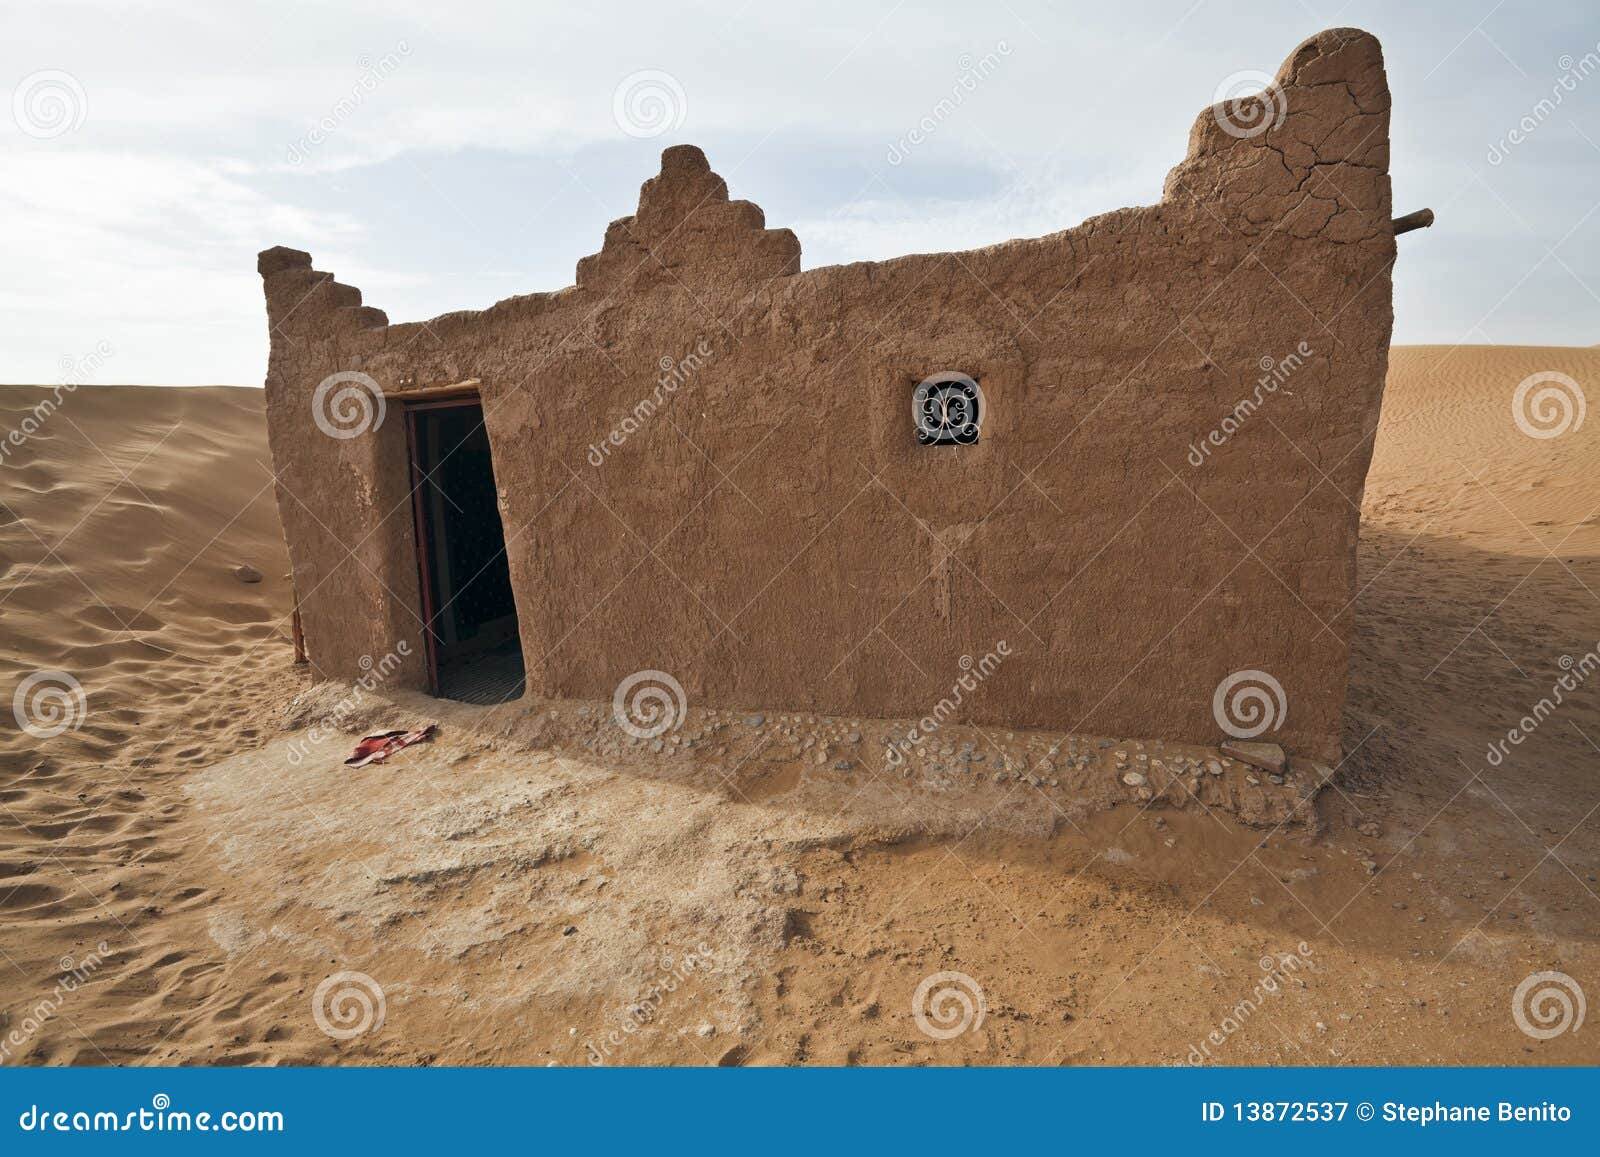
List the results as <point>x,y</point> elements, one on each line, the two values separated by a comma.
<point>1133,450</point>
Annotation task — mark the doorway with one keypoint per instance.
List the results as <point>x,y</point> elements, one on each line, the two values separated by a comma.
<point>470,617</point>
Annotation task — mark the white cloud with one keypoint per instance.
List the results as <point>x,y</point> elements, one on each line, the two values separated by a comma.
<point>153,254</point>
<point>141,226</point>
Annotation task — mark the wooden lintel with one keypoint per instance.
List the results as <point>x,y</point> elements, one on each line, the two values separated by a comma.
<point>434,393</point>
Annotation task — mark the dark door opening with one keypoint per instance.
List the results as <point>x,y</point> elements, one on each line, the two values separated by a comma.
<point>474,652</point>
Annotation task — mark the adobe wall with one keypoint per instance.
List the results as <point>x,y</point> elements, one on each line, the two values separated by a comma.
<point>774,536</point>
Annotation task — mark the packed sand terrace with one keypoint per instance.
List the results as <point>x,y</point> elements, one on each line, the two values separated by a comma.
<point>189,873</point>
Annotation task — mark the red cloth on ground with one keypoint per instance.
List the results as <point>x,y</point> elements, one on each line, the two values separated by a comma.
<point>377,748</point>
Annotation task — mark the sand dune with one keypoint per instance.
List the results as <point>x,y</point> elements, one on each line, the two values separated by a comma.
<point>1480,544</point>
<point>528,888</point>
<point>125,515</point>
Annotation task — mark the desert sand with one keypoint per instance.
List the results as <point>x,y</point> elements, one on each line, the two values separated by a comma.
<point>535,887</point>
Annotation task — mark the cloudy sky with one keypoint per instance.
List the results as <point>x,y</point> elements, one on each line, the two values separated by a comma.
<point>442,157</point>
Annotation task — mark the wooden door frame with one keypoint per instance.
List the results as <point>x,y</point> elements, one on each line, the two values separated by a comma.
<point>419,519</point>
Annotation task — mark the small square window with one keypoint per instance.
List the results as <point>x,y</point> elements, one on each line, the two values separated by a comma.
<point>947,410</point>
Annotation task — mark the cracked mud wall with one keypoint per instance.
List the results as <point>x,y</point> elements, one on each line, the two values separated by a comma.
<point>766,527</point>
